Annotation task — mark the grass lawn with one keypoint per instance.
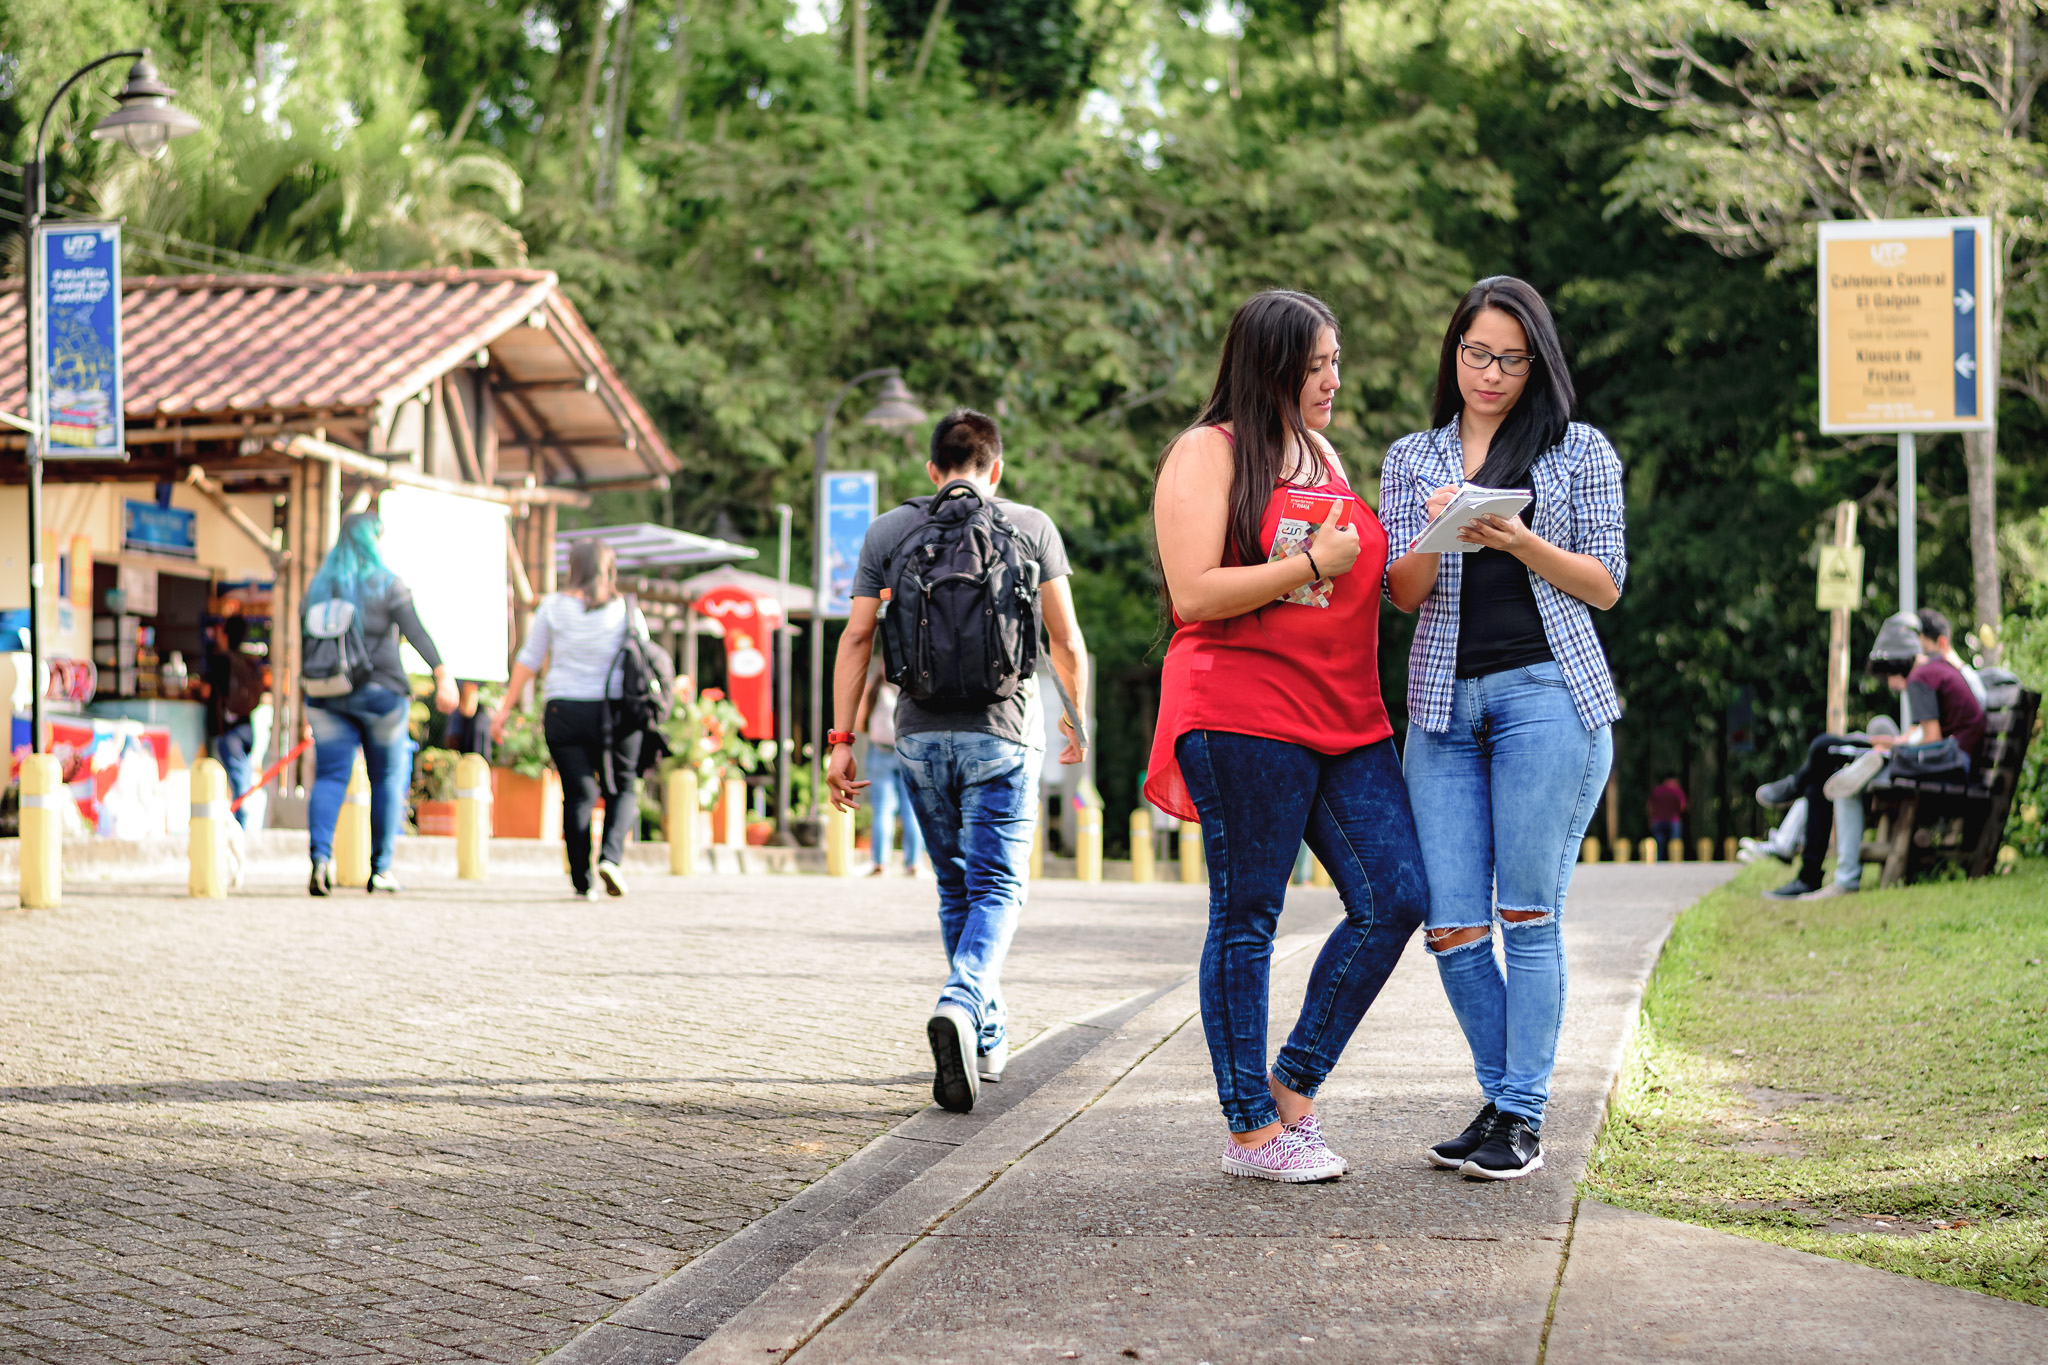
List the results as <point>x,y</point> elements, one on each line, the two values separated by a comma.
<point>1866,1078</point>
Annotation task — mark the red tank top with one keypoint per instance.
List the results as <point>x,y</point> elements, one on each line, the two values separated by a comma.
<point>1304,669</point>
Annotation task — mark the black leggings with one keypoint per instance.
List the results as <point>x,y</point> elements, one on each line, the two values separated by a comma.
<point>575,736</point>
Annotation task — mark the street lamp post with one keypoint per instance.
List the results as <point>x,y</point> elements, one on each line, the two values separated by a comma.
<point>895,408</point>
<point>146,122</point>
<point>783,729</point>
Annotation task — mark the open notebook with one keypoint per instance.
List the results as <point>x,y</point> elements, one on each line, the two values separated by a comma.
<point>1471,503</point>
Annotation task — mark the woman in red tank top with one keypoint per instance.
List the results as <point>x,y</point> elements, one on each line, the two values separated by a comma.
<point>1271,728</point>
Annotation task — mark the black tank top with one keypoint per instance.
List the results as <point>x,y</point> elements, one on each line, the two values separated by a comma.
<point>1499,626</point>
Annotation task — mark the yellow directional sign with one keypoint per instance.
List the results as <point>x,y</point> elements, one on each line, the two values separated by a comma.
<point>1841,578</point>
<point>1905,333</point>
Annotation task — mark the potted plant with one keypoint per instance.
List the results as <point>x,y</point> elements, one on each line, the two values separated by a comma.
<point>526,793</point>
<point>433,792</point>
<point>704,733</point>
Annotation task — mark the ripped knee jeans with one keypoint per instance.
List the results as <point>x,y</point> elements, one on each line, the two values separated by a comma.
<point>1501,801</point>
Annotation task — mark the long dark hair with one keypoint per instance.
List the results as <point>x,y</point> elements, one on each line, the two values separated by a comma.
<point>1537,421</point>
<point>593,572</point>
<point>1266,355</point>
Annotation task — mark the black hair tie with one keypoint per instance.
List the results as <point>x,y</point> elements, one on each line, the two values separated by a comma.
<point>1318,573</point>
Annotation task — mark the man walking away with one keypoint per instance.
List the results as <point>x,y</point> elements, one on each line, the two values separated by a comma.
<point>967,577</point>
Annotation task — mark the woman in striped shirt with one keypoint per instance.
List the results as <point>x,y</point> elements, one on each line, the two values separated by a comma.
<point>577,636</point>
<point>1509,696</point>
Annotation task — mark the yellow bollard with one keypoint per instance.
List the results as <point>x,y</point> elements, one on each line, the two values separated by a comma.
<point>207,842</point>
<point>1038,849</point>
<point>1318,875</point>
<point>1705,848</point>
<point>1728,849</point>
<point>1589,850</point>
<point>352,831</point>
<point>42,832</point>
<point>736,812</point>
<point>1674,852</point>
<point>1650,851</point>
<point>1141,845</point>
<point>679,808</point>
<point>1191,869</point>
<point>1088,844</point>
<point>1622,850</point>
<point>839,850</point>
<point>472,817</point>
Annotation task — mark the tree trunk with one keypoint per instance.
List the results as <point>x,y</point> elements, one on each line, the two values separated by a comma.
<point>615,110</point>
<point>586,109</point>
<point>860,54</point>
<point>679,110</point>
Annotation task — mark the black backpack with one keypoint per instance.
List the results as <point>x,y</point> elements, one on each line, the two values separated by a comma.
<point>961,623</point>
<point>647,690</point>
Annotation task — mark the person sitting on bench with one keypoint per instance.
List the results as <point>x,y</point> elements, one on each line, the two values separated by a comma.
<point>1910,654</point>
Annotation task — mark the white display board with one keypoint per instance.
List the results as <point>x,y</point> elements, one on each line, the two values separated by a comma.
<point>451,552</point>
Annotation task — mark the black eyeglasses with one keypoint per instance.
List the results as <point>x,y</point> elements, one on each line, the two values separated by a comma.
<point>1478,358</point>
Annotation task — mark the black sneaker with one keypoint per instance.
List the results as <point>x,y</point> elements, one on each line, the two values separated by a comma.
<point>322,880</point>
<point>1783,792</point>
<point>1791,890</point>
<point>955,1082</point>
<point>1451,1153</point>
<point>1509,1152</point>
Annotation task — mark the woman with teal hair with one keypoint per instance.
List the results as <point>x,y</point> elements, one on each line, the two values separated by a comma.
<point>371,714</point>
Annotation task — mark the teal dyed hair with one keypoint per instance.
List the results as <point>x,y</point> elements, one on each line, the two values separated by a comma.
<point>354,563</point>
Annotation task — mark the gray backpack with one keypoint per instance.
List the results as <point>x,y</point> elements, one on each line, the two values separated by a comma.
<point>335,659</point>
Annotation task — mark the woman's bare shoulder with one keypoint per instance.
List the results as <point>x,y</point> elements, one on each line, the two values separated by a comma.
<point>1198,451</point>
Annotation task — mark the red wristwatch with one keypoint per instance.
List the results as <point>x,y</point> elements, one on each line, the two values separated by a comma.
<point>833,737</point>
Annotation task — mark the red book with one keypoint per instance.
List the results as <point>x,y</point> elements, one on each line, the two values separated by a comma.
<point>1301,516</point>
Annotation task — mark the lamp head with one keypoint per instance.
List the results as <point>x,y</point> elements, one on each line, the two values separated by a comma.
<point>146,120</point>
<point>897,407</point>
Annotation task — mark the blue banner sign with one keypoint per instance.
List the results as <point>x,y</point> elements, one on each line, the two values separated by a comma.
<point>849,510</point>
<point>78,340</point>
<point>150,529</point>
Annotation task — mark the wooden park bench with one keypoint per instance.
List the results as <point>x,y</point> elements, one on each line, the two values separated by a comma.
<point>1924,823</point>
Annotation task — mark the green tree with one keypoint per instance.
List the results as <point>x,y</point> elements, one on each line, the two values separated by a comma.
<point>1783,115</point>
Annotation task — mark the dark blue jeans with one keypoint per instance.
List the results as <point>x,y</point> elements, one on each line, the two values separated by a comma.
<point>373,719</point>
<point>231,746</point>
<point>1259,799</point>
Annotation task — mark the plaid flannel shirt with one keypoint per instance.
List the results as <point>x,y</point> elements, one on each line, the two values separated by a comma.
<point>1578,508</point>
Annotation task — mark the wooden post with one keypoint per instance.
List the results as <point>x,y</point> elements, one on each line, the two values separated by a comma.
<point>1191,869</point>
<point>1589,850</point>
<point>1838,631</point>
<point>1088,844</point>
<point>352,830</point>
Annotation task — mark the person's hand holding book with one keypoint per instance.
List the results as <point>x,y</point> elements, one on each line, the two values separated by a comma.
<point>1335,548</point>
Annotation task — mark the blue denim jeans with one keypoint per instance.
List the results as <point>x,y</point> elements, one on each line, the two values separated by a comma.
<point>1259,800</point>
<point>373,718</point>
<point>1501,802</point>
<point>231,746</point>
<point>976,797</point>
<point>892,797</point>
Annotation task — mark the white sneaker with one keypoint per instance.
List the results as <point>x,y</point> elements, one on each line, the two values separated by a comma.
<point>990,1064</point>
<point>1855,776</point>
<point>614,884</point>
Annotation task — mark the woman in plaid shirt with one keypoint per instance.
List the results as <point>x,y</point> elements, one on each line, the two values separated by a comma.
<point>1509,696</point>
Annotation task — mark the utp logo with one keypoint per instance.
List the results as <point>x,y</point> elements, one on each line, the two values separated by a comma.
<point>1888,253</point>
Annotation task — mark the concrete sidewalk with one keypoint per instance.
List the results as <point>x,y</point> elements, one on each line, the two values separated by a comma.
<point>1092,1222</point>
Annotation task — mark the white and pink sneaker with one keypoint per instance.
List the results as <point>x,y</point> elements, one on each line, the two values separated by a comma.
<point>1310,1131</point>
<point>1286,1157</point>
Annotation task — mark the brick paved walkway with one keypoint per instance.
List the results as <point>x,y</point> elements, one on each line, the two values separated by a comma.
<point>458,1124</point>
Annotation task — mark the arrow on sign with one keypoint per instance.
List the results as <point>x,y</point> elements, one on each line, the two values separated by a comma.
<point>1966,366</point>
<point>1964,303</point>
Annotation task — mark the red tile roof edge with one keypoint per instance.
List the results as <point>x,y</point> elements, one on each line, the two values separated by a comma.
<point>438,275</point>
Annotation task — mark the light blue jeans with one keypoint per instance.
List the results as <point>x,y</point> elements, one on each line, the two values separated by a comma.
<point>892,797</point>
<point>1501,801</point>
<point>373,718</point>
<point>976,797</point>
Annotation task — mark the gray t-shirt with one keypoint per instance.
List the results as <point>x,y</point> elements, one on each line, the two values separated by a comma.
<point>1037,539</point>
